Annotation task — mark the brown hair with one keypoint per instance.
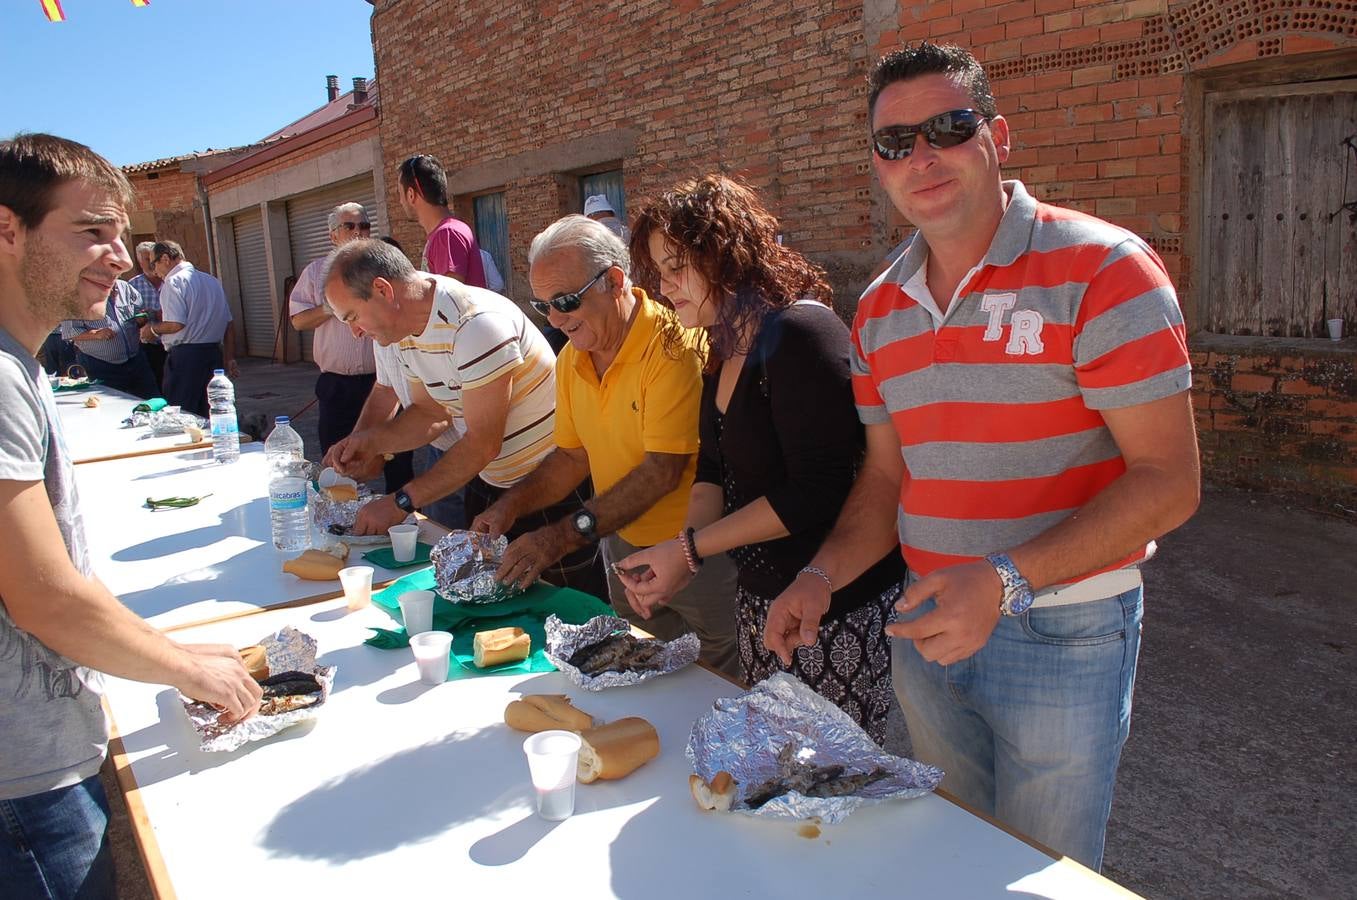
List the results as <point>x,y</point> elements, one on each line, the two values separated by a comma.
<point>718,226</point>
<point>34,166</point>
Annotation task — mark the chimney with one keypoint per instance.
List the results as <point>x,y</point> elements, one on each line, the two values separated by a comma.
<point>360,91</point>
<point>332,87</point>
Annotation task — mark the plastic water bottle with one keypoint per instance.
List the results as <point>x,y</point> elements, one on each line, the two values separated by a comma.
<point>221,403</point>
<point>287,487</point>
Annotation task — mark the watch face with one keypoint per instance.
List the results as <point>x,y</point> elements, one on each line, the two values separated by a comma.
<point>584,522</point>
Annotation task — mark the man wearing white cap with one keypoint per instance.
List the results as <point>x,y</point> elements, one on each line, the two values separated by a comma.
<point>597,207</point>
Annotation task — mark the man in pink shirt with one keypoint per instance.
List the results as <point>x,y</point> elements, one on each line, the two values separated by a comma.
<point>451,248</point>
<point>347,367</point>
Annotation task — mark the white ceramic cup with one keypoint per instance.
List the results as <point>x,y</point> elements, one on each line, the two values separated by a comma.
<point>357,583</point>
<point>552,758</point>
<point>417,611</point>
<point>403,541</point>
<point>1335,329</point>
<point>432,651</point>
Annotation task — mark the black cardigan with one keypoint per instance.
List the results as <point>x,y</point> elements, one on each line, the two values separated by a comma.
<point>791,434</point>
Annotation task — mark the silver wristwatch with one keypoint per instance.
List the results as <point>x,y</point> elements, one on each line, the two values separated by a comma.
<point>1018,596</point>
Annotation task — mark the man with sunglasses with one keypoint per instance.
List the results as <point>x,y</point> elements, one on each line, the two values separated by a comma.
<point>1023,375</point>
<point>628,386</point>
<point>347,366</point>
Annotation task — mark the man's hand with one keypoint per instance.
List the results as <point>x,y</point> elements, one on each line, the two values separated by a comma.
<point>967,609</point>
<point>218,676</point>
<point>794,617</point>
<point>147,335</point>
<point>378,515</point>
<point>355,456</point>
<point>526,557</point>
<point>495,520</point>
<point>232,369</point>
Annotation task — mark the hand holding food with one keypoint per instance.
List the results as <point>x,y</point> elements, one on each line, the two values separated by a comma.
<point>546,712</point>
<point>617,749</point>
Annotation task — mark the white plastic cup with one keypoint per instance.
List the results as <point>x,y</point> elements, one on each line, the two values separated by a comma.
<point>357,583</point>
<point>1335,329</point>
<point>552,758</point>
<point>432,651</point>
<point>417,611</point>
<point>404,538</point>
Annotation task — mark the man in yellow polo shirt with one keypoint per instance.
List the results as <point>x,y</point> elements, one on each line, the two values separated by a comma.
<point>627,392</point>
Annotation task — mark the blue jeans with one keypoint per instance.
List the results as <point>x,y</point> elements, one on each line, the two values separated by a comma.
<point>54,845</point>
<point>1029,730</point>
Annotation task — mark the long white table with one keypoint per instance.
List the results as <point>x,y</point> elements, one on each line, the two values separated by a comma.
<point>403,790</point>
<point>181,566</point>
<point>94,434</point>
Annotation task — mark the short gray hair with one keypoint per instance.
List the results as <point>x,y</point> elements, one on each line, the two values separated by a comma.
<point>145,247</point>
<point>333,219</point>
<point>361,262</point>
<point>599,246</point>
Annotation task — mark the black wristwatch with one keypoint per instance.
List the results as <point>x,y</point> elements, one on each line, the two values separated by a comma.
<point>403,501</point>
<point>585,524</point>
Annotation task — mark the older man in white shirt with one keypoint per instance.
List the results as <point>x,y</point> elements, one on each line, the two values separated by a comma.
<point>346,362</point>
<point>195,323</point>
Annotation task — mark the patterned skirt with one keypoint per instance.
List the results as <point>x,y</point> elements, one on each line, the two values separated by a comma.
<point>850,665</point>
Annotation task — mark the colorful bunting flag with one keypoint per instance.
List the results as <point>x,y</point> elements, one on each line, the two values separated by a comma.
<point>141,2</point>
<point>52,9</point>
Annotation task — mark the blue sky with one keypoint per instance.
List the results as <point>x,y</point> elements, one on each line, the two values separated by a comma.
<point>178,75</point>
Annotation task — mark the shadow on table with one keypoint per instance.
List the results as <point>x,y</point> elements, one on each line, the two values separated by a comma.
<point>363,665</point>
<point>405,798</point>
<point>233,520</point>
<point>179,745</point>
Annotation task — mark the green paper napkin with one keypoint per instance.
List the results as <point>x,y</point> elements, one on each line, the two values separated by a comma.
<point>528,611</point>
<point>71,388</point>
<point>155,404</point>
<point>386,558</point>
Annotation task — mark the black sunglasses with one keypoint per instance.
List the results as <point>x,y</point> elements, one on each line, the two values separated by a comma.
<point>356,226</point>
<point>566,303</point>
<point>944,130</point>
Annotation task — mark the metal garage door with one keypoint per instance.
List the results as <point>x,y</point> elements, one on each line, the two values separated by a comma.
<point>252,268</point>
<point>308,230</point>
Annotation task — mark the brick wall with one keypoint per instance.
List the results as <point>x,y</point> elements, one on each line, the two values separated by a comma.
<point>172,198</point>
<point>769,89</point>
<point>1278,414</point>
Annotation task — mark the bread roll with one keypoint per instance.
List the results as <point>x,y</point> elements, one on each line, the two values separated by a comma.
<point>341,492</point>
<point>314,565</point>
<point>719,794</point>
<point>490,648</point>
<point>256,662</point>
<point>546,712</point>
<point>617,749</point>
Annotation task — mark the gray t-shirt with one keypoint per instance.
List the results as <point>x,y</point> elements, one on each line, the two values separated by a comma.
<point>51,720</point>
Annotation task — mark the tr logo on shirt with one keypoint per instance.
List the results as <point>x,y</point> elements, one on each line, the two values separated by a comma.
<point>1024,333</point>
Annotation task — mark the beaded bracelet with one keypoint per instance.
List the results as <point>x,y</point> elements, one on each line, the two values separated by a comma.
<point>689,545</point>
<point>819,572</point>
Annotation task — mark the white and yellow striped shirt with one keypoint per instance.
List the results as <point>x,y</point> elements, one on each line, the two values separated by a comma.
<point>474,337</point>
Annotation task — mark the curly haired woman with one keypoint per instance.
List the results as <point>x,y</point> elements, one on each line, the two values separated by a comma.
<point>780,437</point>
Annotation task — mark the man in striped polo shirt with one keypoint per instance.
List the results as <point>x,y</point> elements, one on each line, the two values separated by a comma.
<point>1022,371</point>
<point>476,365</point>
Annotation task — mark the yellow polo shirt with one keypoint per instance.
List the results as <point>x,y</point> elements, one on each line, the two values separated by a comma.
<point>646,402</point>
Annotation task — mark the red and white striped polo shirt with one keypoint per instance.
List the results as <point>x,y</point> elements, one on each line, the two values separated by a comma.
<point>997,405</point>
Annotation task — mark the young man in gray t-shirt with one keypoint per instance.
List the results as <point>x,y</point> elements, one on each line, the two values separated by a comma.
<point>62,212</point>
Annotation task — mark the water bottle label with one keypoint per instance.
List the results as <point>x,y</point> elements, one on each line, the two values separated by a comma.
<point>224,425</point>
<point>288,495</point>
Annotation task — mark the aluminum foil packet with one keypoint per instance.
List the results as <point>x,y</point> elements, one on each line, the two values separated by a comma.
<point>464,565</point>
<point>289,650</point>
<point>563,640</point>
<point>778,733</point>
<point>338,513</point>
<point>167,422</point>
